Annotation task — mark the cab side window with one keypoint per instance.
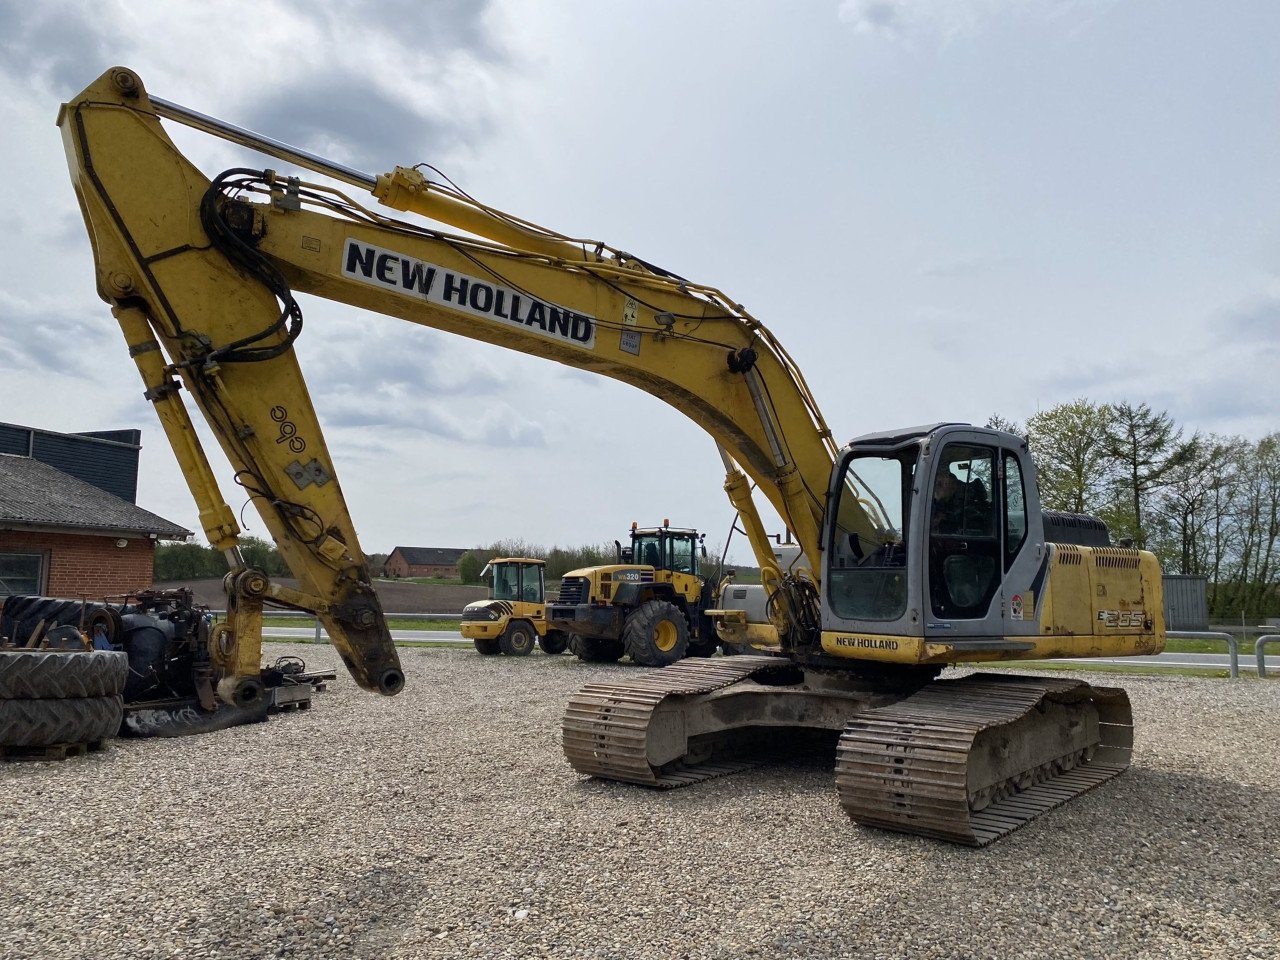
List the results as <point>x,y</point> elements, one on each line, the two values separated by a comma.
<point>1015,509</point>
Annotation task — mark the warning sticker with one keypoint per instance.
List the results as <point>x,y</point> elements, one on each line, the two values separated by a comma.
<point>1015,607</point>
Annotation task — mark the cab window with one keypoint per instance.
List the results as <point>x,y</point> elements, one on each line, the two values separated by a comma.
<point>506,582</point>
<point>1015,509</point>
<point>682,555</point>
<point>867,575</point>
<point>964,547</point>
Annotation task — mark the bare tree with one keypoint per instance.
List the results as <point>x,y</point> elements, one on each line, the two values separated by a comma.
<point>1253,574</point>
<point>1191,508</point>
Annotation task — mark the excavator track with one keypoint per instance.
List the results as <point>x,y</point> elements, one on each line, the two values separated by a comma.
<point>973,759</point>
<point>606,725</point>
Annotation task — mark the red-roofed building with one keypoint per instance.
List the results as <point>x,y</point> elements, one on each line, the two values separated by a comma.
<point>68,523</point>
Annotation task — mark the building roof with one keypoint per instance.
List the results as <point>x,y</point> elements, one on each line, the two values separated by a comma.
<point>430,556</point>
<point>34,494</point>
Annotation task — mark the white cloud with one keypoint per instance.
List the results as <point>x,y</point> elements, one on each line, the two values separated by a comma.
<point>950,19</point>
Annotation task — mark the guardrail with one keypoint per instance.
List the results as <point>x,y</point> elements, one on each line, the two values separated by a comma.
<point>1260,651</point>
<point>1233,647</point>
<point>299,615</point>
<point>319,629</point>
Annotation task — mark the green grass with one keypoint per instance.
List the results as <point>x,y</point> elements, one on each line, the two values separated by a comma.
<point>1203,646</point>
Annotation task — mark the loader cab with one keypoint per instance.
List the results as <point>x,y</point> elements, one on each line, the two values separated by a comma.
<point>665,548</point>
<point>935,532</point>
<point>516,579</point>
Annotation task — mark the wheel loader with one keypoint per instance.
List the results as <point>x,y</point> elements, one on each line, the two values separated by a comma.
<point>513,619</point>
<point>649,606</point>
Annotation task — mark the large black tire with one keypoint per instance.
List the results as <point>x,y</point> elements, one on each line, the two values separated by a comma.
<point>488,647</point>
<point>43,723</point>
<point>60,674</point>
<point>595,649</point>
<point>656,634</point>
<point>555,641</point>
<point>518,639</point>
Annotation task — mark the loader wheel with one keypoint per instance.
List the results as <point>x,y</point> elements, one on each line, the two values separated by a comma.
<point>61,674</point>
<point>488,647</point>
<point>43,723</point>
<point>656,634</point>
<point>595,649</point>
<point>556,641</point>
<point>518,639</point>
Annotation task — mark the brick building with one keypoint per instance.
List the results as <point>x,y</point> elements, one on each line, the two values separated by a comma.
<point>423,562</point>
<point>69,526</point>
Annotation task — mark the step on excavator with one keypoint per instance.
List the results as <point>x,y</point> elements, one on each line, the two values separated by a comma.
<point>920,547</point>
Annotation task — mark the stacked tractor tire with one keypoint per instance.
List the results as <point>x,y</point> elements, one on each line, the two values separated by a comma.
<point>52,700</point>
<point>68,668</point>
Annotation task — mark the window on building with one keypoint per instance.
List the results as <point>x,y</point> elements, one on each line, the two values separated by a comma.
<point>21,574</point>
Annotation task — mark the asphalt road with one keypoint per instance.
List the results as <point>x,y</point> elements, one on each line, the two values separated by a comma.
<point>1184,661</point>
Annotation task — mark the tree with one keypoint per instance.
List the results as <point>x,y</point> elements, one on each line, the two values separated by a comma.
<point>187,561</point>
<point>469,566</point>
<point>997,422</point>
<point>1188,514</point>
<point>1068,444</point>
<point>1252,572</point>
<point>1146,448</point>
<point>261,555</point>
<point>560,560</point>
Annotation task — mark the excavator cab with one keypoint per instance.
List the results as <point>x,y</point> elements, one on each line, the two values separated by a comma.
<point>938,552</point>
<point>937,533</point>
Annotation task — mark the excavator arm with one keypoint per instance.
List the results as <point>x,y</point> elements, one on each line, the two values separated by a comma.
<point>201,276</point>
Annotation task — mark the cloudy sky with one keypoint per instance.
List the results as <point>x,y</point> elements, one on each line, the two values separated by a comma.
<point>945,209</point>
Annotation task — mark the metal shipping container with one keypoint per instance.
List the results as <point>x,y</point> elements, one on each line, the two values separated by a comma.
<point>1186,602</point>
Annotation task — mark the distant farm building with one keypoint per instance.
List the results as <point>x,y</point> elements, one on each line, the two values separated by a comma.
<point>69,526</point>
<point>424,562</point>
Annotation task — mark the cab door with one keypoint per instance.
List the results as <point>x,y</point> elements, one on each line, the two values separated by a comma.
<point>964,554</point>
<point>1024,559</point>
<point>532,592</point>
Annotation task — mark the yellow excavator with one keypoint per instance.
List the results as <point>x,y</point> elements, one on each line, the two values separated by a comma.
<point>918,548</point>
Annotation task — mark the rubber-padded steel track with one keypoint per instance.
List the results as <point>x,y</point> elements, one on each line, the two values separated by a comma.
<point>606,725</point>
<point>905,766</point>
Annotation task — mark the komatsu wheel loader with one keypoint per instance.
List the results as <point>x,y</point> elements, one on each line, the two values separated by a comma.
<point>649,606</point>
<point>900,582</point>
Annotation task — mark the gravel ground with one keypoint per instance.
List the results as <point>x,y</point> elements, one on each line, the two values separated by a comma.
<point>445,823</point>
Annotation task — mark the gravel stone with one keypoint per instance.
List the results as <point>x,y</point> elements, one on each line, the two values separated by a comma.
<point>445,823</point>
